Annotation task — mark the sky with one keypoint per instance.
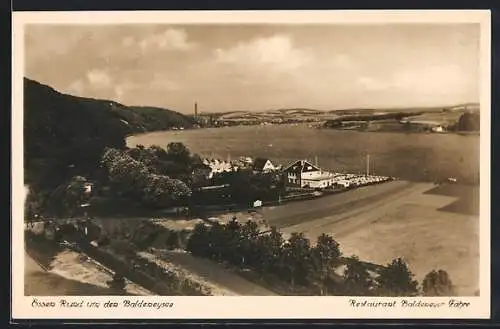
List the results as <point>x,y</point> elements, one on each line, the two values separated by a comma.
<point>259,67</point>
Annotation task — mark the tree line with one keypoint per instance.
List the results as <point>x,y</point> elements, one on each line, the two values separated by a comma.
<point>152,178</point>
<point>300,264</point>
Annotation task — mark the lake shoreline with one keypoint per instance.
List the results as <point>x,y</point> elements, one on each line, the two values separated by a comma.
<point>308,124</point>
<point>409,156</point>
<point>459,133</point>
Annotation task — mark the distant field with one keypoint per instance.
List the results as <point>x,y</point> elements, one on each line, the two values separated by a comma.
<point>444,118</point>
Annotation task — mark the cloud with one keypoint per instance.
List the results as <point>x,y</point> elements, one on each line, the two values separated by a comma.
<point>431,80</point>
<point>162,83</point>
<point>169,39</point>
<point>98,78</point>
<point>342,61</point>
<point>436,78</point>
<point>372,84</point>
<point>275,52</point>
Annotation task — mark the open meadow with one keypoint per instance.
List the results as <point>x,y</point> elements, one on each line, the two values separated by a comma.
<point>411,224</point>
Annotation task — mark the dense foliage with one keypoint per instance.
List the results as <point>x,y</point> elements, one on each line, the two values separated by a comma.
<point>141,175</point>
<point>469,121</point>
<point>357,279</point>
<point>65,136</point>
<point>298,263</point>
<point>395,279</point>
<point>438,283</point>
<point>293,260</point>
<point>258,185</point>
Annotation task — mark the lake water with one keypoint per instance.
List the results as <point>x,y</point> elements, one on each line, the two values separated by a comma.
<point>406,156</point>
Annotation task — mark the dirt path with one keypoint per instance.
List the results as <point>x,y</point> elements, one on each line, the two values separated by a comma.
<point>70,275</point>
<point>38,282</point>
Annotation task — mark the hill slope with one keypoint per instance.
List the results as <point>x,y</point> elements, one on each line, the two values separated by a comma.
<point>64,135</point>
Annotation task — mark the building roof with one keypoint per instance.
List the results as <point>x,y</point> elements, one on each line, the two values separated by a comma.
<point>300,166</point>
<point>259,163</point>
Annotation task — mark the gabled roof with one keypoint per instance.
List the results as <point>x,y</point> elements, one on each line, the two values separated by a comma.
<point>259,163</point>
<point>300,166</point>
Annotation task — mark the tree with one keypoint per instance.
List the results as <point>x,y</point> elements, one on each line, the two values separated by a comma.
<point>178,152</point>
<point>162,191</point>
<point>233,240</point>
<point>296,256</point>
<point>66,199</point>
<point>469,121</point>
<point>437,283</point>
<point>127,176</point>
<point>249,246</point>
<point>395,279</point>
<point>324,256</point>
<point>357,279</point>
<point>138,180</point>
<point>198,242</point>
<point>269,250</point>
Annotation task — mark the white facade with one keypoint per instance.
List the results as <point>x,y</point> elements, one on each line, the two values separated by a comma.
<point>268,166</point>
<point>218,166</point>
<point>317,179</point>
<point>438,129</point>
<point>304,174</point>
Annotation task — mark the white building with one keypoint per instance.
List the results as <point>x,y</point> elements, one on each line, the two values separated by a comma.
<point>437,129</point>
<point>218,166</point>
<point>302,173</point>
<point>263,165</point>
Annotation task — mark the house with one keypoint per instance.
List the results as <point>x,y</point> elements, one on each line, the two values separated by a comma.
<point>303,174</point>
<point>218,166</point>
<point>87,188</point>
<point>438,129</point>
<point>263,165</point>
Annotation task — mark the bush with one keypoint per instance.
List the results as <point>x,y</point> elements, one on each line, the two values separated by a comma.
<point>396,280</point>
<point>437,283</point>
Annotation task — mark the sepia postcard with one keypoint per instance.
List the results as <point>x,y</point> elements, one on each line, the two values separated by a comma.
<point>251,165</point>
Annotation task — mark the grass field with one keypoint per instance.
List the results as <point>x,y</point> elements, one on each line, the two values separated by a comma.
<point>409,224</point>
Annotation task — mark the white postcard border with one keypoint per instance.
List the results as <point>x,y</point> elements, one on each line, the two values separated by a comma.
<point>215,307</point>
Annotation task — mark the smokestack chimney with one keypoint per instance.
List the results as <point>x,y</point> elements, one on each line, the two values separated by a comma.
<point>195,109</point>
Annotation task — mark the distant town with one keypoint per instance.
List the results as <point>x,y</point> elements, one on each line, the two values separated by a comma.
<point>431,120</point>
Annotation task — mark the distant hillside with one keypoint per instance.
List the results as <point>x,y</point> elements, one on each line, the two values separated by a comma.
<point>291,113</point>
<point>64,135</point>
<point>305,113</point>
<point>148,118</point>
<point>457,107</point>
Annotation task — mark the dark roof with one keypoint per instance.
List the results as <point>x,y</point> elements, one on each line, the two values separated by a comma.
<point>301,166</point>
<point>259,163</point>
